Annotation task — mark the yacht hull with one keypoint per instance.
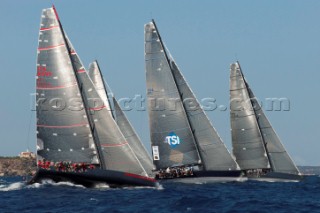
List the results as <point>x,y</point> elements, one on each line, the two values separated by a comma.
<point>94,177</point>
<point>202,177</point>
<point>277,177</point>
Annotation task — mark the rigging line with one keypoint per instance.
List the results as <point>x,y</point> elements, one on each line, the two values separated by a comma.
<point>31,113</point>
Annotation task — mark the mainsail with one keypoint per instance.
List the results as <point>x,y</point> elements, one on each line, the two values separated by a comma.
<point>102,137</point>
<point>272,150</point>
<point>121,119</point>
<point>63,130</point>
<point>172,139</point>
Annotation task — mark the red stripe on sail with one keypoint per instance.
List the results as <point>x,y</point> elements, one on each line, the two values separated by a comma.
<point>57,87</point>
<point>73,52</point>
<point>81,71</point>
<point>97,108</point>
<point>69,126</point>
<point>140,177</point>
<point>50,47</point>
<point>114,145</point>
<point>48,28</point>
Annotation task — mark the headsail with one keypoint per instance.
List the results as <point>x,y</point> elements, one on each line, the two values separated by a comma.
<point>116,151</point>
<point>280,159</point>
<point>213,152</point>
<point>133,139</point>
<point>248,144</point>
<point>63,132</point>
<point>171,136</point>
<point>121,119</point>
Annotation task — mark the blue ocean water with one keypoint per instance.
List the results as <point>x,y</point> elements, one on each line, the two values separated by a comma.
<point>249,196</point>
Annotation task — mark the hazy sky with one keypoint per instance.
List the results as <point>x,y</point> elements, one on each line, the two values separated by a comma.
<point>276,42</point>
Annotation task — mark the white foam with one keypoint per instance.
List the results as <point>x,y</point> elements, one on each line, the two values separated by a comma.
<point>50,182</point>
<point>12,186</point>
<point>101,186</point>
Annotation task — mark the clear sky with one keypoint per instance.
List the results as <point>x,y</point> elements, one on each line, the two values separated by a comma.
<point>276,42</point>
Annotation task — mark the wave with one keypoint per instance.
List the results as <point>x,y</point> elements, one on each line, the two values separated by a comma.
<point>12,186</point>
<point>22,185</point>
<point>52,183</point>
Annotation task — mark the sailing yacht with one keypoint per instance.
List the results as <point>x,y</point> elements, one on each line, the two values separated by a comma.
<point>77,141</point>
<point>256,146</point>
<point>185,145</point>
<point>118,115</point>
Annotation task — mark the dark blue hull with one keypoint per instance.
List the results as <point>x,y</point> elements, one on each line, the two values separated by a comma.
<point>91,178</point>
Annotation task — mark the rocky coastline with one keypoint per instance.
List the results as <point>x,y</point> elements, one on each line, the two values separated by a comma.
<point>17,166</point>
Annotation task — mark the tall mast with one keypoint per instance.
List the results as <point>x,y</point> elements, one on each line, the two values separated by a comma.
<point>174,79</point>
<point>91,123</point>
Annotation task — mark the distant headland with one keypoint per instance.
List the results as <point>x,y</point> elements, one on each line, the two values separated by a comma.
<point>22,165</point>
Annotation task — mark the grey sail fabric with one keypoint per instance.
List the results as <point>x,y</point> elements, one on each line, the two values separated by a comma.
<point>116,151</point>
<point>95,76</point>
<point>63,132</point>
<point>132,138</point>
<point>247,142</point>
<point>280,159</point>
<point>121,119</point>
<point>213,152</point>
<point>171,136</point>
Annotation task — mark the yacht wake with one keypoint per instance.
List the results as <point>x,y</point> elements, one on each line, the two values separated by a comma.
<point>12,186</point>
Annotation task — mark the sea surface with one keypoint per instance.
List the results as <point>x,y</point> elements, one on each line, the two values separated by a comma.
<point>249,196</point>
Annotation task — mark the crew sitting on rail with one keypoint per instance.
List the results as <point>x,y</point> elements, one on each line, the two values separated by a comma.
<point>65,166</point>
<point>174,172</point>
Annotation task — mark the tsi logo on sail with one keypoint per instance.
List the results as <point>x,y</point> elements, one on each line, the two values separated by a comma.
<point>172,139</point>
